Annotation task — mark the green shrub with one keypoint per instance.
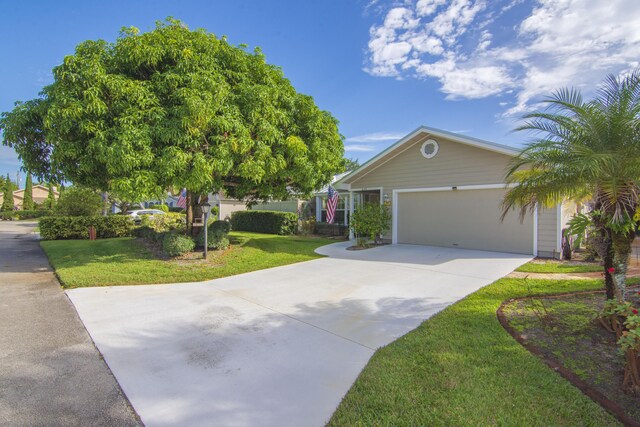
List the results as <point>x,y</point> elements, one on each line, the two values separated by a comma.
<point>77,227</point>
<point>31,214</point>
<point>264,222</point>
<point>9,216</point>
<point>167,222</point>
<point>306,226</point>
<point>221,226</point>
<point>175,244</point>
<point>163,207</point>
<point>216,235</point>
<point>370,221</point>
<point>175,209</point>
<point>79,201</point>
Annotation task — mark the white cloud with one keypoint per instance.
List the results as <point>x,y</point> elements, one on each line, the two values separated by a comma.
<point>474,52</point>
<point>375,137</point>
<point>359,148</point>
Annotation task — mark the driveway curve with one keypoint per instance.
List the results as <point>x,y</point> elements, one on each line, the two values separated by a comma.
<point>276,347</point>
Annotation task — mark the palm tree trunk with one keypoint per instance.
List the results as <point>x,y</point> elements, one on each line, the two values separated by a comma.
<point>621,251</point>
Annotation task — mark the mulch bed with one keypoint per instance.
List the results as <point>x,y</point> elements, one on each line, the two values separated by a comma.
<point>563,331</point>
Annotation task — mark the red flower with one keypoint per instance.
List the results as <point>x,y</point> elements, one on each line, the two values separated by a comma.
<point>611,270</point>
<point>634,311</point>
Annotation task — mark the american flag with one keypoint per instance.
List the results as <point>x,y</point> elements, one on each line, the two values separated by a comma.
<point>332,202</point>
<point>182,200</point>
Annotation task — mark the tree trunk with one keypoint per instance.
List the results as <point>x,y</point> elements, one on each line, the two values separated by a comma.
<point>189,213</point>
<point>621,251</point>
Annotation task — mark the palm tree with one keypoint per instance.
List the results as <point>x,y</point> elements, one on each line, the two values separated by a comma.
<point>586,148</point>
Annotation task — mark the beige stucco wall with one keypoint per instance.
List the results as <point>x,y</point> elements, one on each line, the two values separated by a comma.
<point>227,207</point>
<point>456,164</point>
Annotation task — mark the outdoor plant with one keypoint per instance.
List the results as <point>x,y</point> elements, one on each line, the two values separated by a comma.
<point>172,107</point>
<point>586,149</point>
<point>630,344</point>
<point>77,227</point>
<point>614,316</point>
<point>273,222</point>
<point>306,226</point>
<point>217,235</point>
<point>79,201</point>
<point>7,200</point>
<point>369,222</point>
<point>167,222</point>
<point>27,202</point>
<point>175,244</point>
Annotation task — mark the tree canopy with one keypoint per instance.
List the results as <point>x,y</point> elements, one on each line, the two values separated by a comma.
<point>175,108</point>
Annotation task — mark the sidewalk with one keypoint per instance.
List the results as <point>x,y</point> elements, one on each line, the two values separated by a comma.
<point>50,372</point>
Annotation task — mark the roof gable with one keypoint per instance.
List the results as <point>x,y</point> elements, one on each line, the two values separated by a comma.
<point>421,133</point>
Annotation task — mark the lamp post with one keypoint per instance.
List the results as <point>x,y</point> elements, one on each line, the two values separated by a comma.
<point>206,207</point>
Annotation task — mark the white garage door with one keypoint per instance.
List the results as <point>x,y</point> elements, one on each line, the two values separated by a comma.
<point>463,219</point>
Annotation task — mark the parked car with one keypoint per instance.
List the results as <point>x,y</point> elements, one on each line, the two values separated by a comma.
<point>136,215</point>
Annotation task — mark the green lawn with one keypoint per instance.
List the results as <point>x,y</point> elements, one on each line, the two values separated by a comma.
<point>462,368</point>
<point>124,261</point>
<point>552,266</point>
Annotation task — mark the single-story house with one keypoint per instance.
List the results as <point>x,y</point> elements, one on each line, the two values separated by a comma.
<point>39,193</point>
<point>446,189</point>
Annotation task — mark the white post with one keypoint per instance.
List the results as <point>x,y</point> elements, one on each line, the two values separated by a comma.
<point>347,202</point>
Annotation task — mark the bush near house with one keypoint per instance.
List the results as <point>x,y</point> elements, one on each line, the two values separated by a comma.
<point>370,221</point>
<point>272,222</point>
<point>217,235</point>
<point>77,227</point>
<point>174,244</point>
<point>166,222</point>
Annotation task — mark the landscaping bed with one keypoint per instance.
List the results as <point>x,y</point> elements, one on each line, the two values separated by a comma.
<point>565,332</point>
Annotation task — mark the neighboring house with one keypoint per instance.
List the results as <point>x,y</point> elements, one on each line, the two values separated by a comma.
<point>39,193</point>
<point>446,189</point>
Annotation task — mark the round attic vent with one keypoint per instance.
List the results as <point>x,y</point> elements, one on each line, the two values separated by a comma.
<point>429,148</point>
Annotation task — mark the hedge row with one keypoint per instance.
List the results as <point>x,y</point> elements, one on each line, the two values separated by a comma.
<point>13,215</point>
<point>77,227</point>
<point>271,222</point>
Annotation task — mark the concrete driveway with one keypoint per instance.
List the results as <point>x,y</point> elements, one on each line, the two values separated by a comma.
<point>277,347</point>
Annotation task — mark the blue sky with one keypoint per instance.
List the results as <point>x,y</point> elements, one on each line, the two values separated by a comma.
<point>382,67</point>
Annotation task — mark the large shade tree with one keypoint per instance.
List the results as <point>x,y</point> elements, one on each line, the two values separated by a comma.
<point>587,148</point>
<point>175,108</point>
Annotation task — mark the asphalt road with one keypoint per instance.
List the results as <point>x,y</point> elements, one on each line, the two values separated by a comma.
<point>51,374</point>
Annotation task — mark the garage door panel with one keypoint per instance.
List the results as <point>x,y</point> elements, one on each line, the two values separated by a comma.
<point>463,218</point>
